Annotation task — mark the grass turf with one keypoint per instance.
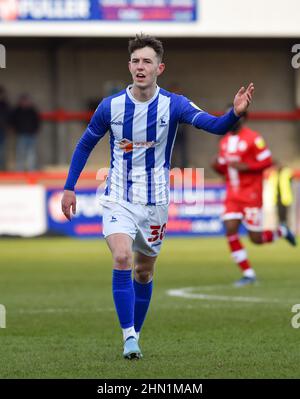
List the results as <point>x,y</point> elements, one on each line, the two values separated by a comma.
<point>61,321</point>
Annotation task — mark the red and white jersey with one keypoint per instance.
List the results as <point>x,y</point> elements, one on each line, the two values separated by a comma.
<point>250,148</point>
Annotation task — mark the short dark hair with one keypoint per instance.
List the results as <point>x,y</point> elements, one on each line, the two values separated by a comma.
<point>141,41</point>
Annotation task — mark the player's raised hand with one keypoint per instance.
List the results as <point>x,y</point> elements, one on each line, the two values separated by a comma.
<point>243,99</point>
<point>68,201</point>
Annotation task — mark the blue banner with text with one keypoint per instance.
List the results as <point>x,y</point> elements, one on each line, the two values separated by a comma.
<point>103,10</point>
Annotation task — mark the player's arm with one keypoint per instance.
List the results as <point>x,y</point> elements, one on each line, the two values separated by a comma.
<point>192,114</point>
<point>262,157</point>
<point>94,132</point>
<point>219,164</point>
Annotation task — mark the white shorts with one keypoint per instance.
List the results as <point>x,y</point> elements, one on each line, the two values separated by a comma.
<point>145,224</point>
<point>251,217</point>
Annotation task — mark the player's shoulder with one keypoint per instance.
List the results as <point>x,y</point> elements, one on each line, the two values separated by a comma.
<point>105,103</point>
<point>253,137</point>
<point>173,96</point>
<point>120,94</point>
<point>179,101</point>
<point>248,133</point>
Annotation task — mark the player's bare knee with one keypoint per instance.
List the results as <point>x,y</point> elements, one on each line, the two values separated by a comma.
<point>232,226</point>
<point>122,259</point>
<point>143,276</point>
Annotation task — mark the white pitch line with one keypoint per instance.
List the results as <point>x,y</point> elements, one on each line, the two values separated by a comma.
<point>62,310</point>
<point>187,293</point>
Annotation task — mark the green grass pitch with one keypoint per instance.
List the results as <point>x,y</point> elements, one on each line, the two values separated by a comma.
<point>61,323</point>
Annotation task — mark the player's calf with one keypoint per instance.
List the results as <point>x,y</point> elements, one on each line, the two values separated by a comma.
<point>269,236</point>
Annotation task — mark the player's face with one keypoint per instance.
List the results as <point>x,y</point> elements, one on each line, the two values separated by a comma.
<point>145,67</point>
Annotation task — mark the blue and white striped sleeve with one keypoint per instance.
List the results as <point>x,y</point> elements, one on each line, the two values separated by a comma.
<point>193,115</point>
<point>96,129</point>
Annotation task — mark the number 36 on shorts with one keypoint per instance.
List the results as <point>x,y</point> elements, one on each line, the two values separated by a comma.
<point>157,232</point>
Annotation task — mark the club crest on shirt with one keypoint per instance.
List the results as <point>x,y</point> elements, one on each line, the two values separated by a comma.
<point>260,143</point>
<point>163,121</point>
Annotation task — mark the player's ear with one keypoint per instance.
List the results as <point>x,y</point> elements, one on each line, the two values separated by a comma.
<point>161,68</point>
<point>129,65</point>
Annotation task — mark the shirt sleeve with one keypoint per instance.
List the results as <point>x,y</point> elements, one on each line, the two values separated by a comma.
<point>262,157</point>
<point>221,163</point>
<point>96,129</point>
<point>190,113</point>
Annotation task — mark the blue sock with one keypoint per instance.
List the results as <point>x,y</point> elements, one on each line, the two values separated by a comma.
<point>143,294</point>
<point>123,294</point>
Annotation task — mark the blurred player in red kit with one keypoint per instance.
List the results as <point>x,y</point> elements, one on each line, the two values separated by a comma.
<point>242,158</point>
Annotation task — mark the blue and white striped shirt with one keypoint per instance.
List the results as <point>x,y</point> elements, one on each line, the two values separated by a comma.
<point>142,136</point>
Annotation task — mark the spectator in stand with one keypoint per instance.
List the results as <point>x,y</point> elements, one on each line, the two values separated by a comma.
<point>26,122</point>
<point>4,118</point>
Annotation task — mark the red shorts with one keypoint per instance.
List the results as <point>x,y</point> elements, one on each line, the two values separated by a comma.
<point>252,217</point>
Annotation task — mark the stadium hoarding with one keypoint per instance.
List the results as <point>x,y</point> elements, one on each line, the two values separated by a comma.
<point>98,10</point>
<point>22,210</point>
<point>164,18</point>
<point>185,219</point>
<point>33,210</point>
<point>88,219</point>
